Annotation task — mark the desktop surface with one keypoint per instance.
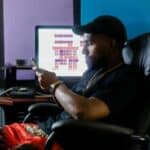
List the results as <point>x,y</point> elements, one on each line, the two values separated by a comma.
<point>9,101</point>
<point>16,109</point>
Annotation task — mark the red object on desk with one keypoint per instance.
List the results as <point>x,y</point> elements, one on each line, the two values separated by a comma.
<point>18,135</point>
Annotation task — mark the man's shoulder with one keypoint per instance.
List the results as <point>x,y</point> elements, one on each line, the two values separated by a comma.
<point>123,74</point>
<point>126,70</point>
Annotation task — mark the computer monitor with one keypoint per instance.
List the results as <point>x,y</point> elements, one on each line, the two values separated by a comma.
<point>58,49</point>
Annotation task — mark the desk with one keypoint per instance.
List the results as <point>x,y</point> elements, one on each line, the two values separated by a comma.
<point>8,101</point>
<point>16,108</point>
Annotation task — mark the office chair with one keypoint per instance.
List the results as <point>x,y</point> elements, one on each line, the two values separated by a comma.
<point>90,135</point>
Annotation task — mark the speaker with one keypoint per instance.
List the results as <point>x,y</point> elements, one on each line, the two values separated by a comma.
<point>10,78</point>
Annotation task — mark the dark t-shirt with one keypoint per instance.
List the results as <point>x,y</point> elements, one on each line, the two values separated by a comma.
<point>116,88</point>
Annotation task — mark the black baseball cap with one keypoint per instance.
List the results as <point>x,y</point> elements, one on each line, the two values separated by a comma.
<point>107,25</point>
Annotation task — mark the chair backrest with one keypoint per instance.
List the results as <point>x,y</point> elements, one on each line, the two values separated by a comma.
<point>137,54</point>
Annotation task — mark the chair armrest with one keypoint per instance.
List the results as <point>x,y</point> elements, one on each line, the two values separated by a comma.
<point>41,108</point>
<point>91,126</point>
<point>98,133</point>
<point>89,135</point>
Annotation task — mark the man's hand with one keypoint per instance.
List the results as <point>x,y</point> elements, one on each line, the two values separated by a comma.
<point>45,78</point>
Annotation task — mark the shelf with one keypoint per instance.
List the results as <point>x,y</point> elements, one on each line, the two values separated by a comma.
<point>22,67</point>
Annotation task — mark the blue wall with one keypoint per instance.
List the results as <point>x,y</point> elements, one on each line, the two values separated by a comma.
<point>135,14</point>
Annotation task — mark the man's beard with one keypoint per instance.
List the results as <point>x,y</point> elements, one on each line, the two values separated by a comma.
<point>95,63</point>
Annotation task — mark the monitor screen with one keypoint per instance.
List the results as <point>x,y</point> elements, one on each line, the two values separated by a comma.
<point>60,50</point>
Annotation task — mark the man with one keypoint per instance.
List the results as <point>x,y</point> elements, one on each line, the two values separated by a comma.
<point>108,86</point>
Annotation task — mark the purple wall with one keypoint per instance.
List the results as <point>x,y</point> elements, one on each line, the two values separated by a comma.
<point>20,19</point>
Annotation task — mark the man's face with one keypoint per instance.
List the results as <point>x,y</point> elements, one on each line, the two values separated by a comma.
<point>96,49</point>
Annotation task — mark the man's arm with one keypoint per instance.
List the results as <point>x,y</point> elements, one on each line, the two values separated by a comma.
<point>80,107</point>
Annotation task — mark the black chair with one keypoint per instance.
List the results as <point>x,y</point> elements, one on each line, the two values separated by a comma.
<point>134,135</point>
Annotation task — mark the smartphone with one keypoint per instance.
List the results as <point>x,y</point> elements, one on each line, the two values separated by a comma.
<point>34,64</point>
